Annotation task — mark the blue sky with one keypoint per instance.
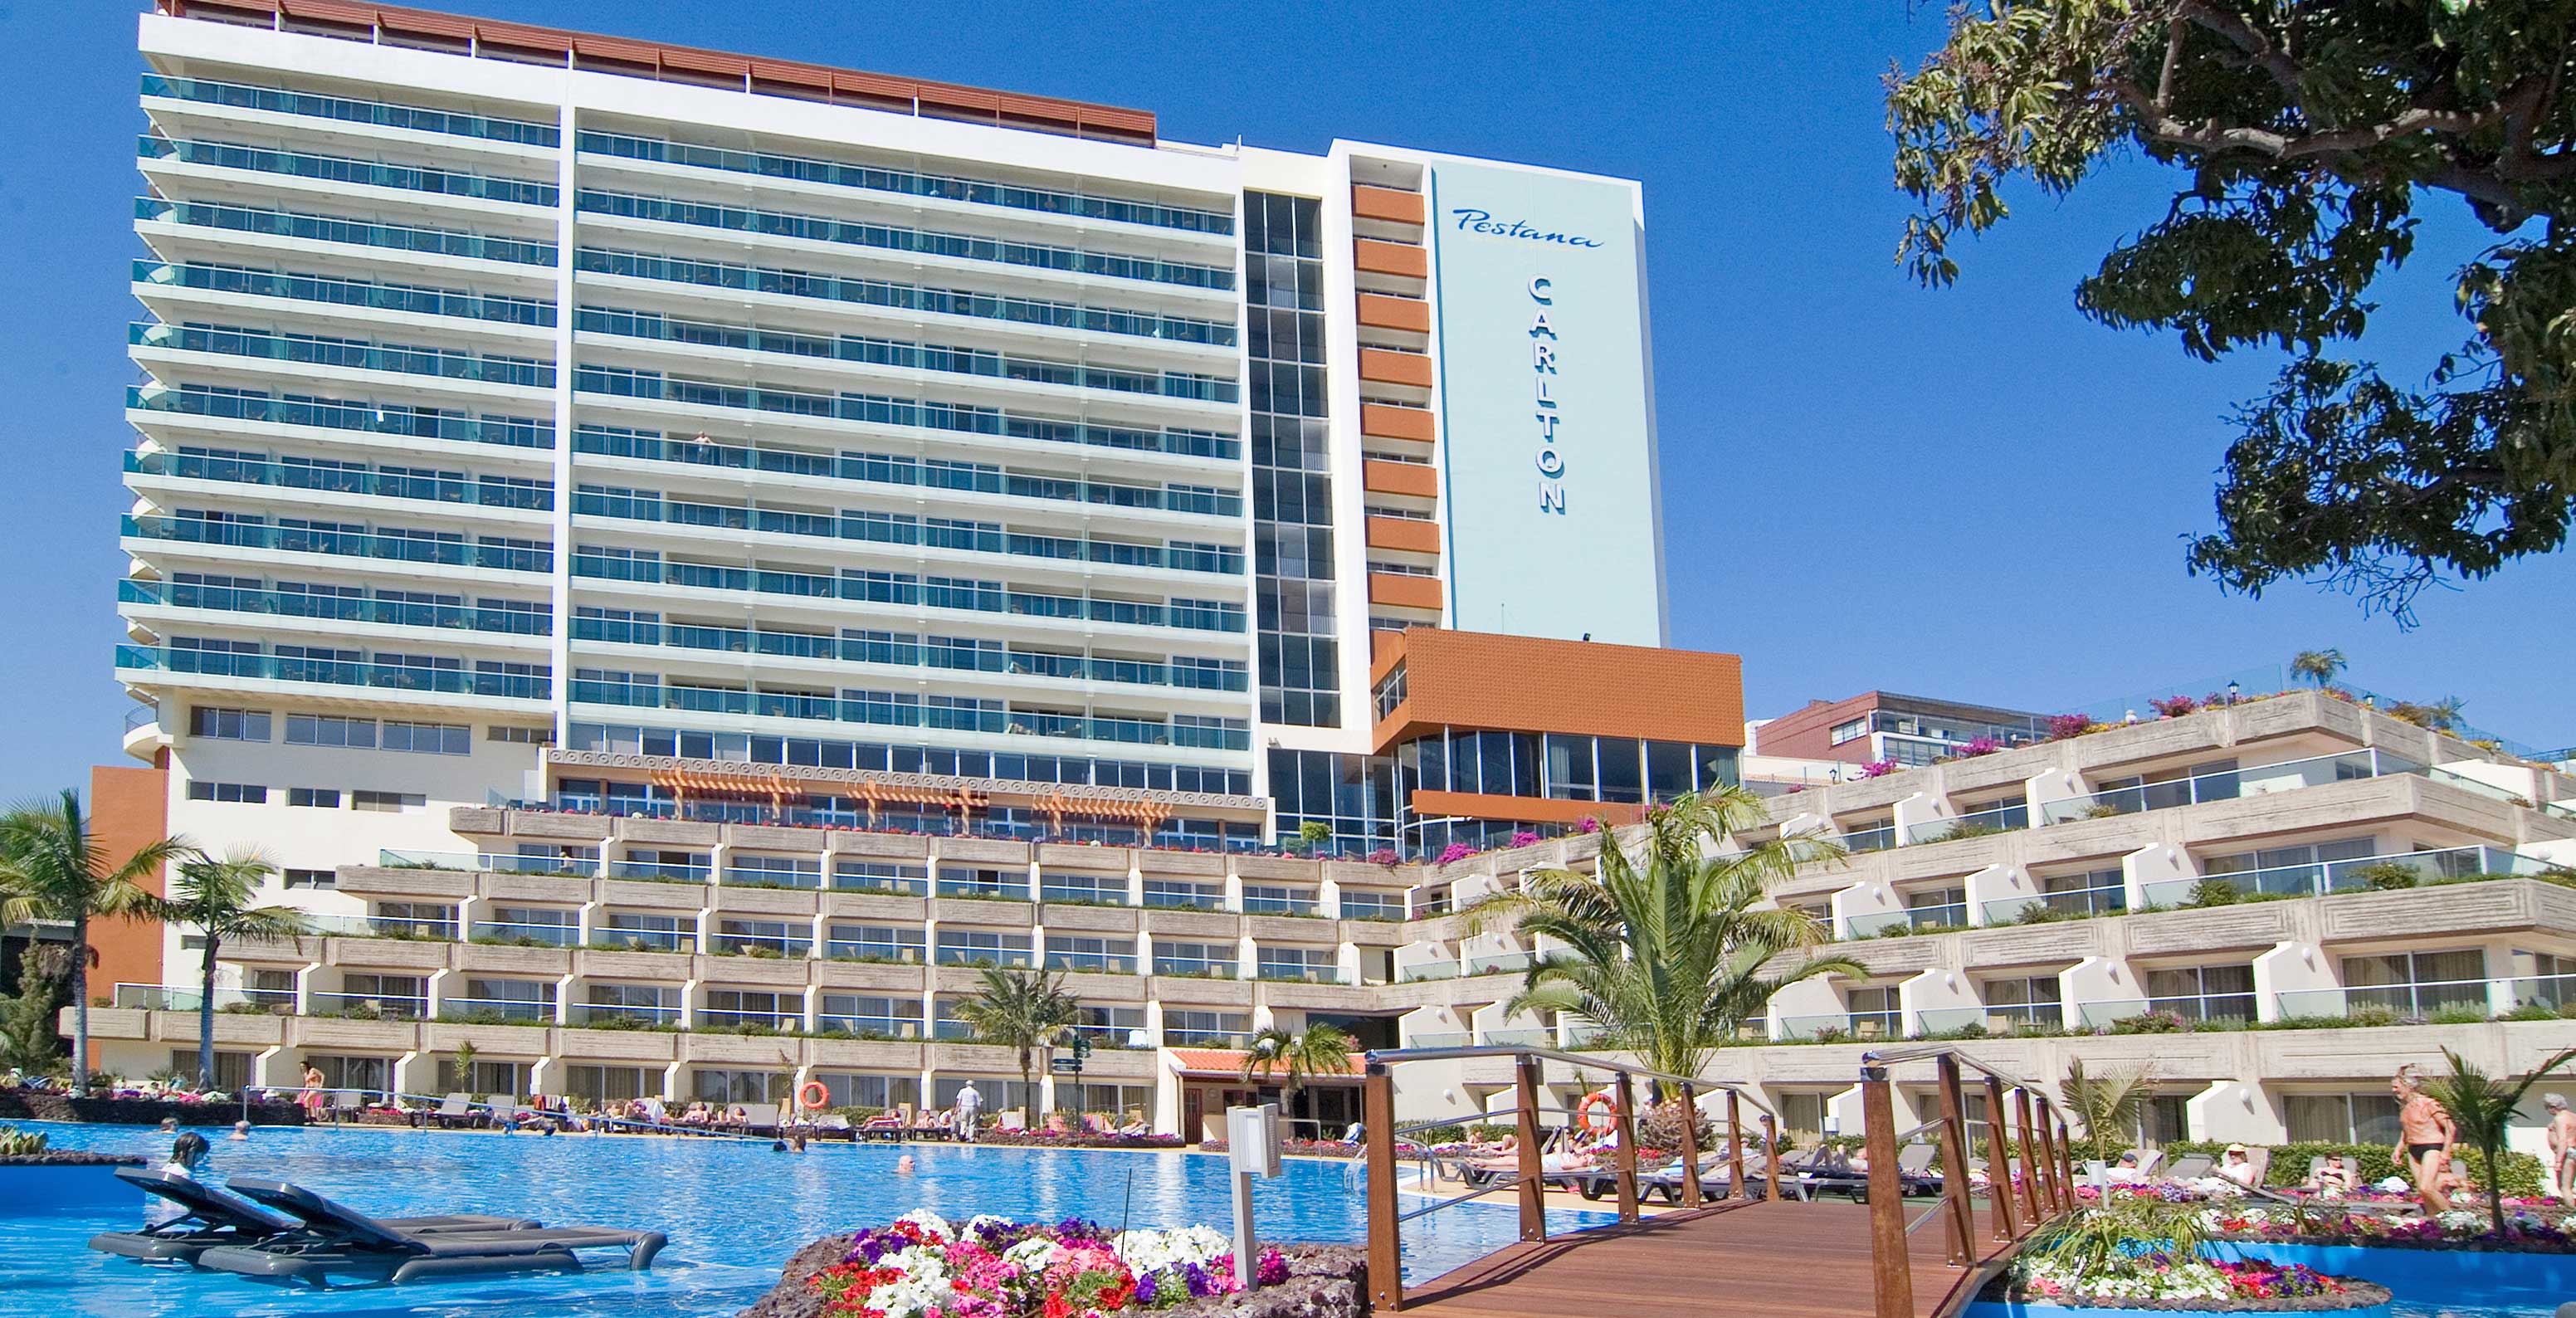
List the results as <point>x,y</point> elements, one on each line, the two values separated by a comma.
<point>1971,493</point>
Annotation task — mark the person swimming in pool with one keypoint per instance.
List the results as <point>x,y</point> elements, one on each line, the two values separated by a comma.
<point>903,1165</point>
<point>2426,1136</point>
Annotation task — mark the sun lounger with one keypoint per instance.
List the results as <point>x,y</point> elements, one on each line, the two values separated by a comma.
<point>2189,1167</point>
<point>759,1117</point>
<point>214,1219</point>
<point>333,1242</point>
<point>455,1109</point>
<point>347,1103</point>
<point>883,1126</point>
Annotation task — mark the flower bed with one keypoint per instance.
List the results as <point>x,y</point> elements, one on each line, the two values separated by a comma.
<point>2527,1230</point>
<point>135,1109</point>
<point>925,1267</point>
<point>2160,1282</point>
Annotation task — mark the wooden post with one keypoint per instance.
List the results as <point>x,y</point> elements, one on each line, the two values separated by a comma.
<point>1624,1125</point>
<point>1956,1214</point>
<point>1999,1177</point>
<point>1770,1158</point>
<point>1687,1194</point>
<point>1533,1191</point>
<point>1891,1271</point>
<point>1377,1126</point>
<point>2046,1168</point>
<point>2030,1198</point>
<point>1735,1186</point>
<point>2066,1161</point>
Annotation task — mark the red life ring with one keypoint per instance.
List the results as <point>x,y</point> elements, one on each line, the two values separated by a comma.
<point>1598,1103</point>
<point>814,1095</point>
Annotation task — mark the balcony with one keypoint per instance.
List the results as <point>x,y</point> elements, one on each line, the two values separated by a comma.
<point>2192,1008</point>
<point>154,997</point>
<point>622,1016</point>
<point>871,1027</point>
<point>2017,1018</point>
<point>144,660</point>
<point>1092,963</point>
<point>369,1006</point>
<point>1411,480</point>
<point>486,863</point>
<point>2066,904</point>
<point>497,1011</point>
<point>1863,1025</point>
<point>525,933</point>
<point>1983,823</point>
<point>2405,870</point>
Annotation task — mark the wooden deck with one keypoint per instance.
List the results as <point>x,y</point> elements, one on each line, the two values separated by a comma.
<point>1741,1258</point>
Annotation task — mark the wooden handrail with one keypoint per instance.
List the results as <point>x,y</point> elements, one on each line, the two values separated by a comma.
<point>2030,1158</point>
<point>1891,1271</point>
<point>1377,1136</point>
<point>1623,1122</point>
<point>1770,1158</point>
<point>1735,1186</point>
<point>1533,1186</point>
<point>1687,1193</point>
<point>1999,1168</point>
<point>1960,1215</point>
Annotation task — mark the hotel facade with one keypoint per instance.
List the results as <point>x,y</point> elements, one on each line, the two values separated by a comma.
<point>681,558</point>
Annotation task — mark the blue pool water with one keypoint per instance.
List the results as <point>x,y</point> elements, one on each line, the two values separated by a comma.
<point>734,1212</point>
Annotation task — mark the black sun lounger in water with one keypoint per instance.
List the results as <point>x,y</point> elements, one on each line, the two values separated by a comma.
<point>335,1243</point>
<point>214,1219</point>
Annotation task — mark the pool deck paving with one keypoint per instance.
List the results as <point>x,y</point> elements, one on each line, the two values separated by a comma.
<point>1742,1258</point>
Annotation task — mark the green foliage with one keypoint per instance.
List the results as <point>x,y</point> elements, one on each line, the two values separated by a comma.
<point>2386,876</point>
<point>2103,1237</point>
<point>2302,134</point>
<point>29,1043</point>
<point>52,868</point>
<point>1296,1056</point>
<point>2318,667</point>
<point>2214,892</point>
<point>2106,1106</point>
<point>1449,1134</point>
<point>217,897</point>
<point>1314,833</point>
<point>16,1143</point>
<point>1666,949</point>
<point>2482,1109</point>
<point>2289,1165</point>
<point>1023,1009</point>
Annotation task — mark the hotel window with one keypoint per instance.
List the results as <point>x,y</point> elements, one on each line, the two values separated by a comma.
<point>414,919</point>
<point>228,724</point>
<point>2024,1000</point>
<point>612,1084</point>
<point>1105,956</point>
<point>2203,993</point>
<point>1120,1103</point>
<point>1204,1029</point>
<point>2418,984</point>
<point>2093,892</point>
<point>520,736</point>
<point>1292,488</point>
<point>645,933</point>
<point>1084,889</point>
<point>315,798</point>
<point>1852,731</point>
<point>324,879</point>
<point>232,1070</point>
<point>760,1007</point>
<point>1203,960</point>
<point>999,1094</point>
<point>975,947</point>
<point>876,1091</point>
<point>732,1088</point>
<point>878,876</point>
<point>386,802</point>
<point>483,1077</point>
<point>774,872</point>
<point>2359,1118</point>
<point>327,730</point>
<point>1874,1011</point>
<point>1390,691</point>
<point>374,1074</point>
<point>228,793</point>
<point>764,937</point>
<point>1802,1115</point>
<point>429,738</point>
<point>872,942</point>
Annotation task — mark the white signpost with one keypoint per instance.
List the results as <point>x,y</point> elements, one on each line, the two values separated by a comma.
<point>1252,1147</point>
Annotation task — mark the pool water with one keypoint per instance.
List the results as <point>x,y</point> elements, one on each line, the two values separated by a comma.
<point>734,1212</point>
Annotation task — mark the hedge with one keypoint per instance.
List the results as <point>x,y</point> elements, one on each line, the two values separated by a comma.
<point>2289,1169</point>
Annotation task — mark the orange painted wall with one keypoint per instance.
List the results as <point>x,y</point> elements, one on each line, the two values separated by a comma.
<point>1529,684</point>
<point>127,808</point>
<point>1390,204</point>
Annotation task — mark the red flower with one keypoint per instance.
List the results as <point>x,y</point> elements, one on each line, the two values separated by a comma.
<point>1057,1306</point>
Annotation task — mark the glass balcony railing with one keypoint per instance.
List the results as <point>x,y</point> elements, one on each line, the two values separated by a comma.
<point>1185,899</point>
<point>370,1006</point>
<point>872,1027</point>
<point>278,668</point>
<point>1196,967</point>
<point>1869,839</point>
<point>746,944</point>
<point>2356,874</point>
<point>2195,1008</point>
<point>1300,972</point>
<point>486,862</point>
<point>381,926</point>
<point>535,621</point>
<point>1426,970</point>
<point>339,414</point>
<point>710,1018</point>
<point>347,110</point>
<point>154,997</point>
<point>1999,1019</point>
<point>416,300</point>
<point>1304,906</point>
<point>1845,1025</point>
<point>1205,1039</point>
<point>305,349</point>
<point>888,713</point>
<point>1004,890</point>
<point>621,1013</point>
<point>1095,963</point>
<point>2415,1001</point>
<point>1995,819</point>
<point>1498,963</point>
<point>1083,894</point>
<point>742,876</point>
<point>447,550</point>
<point>617,938</point>
<point>1180,614</point>
<point>2495,793</point>
<point>341,169</point>
<point>1441,1039</point>
<point>2228,785</point>
<point>1211,676</point>
<point>1372,906</point>
<point>879,530</point>
<point>971,955</point>
<point>908,297</point>
<point>2073,903</point>
<point>333,229</point>
<point>903,355</point>
<point>657,871</point>
<point>508,1009</point>
<point>1523,1038</point>
<point>813,228</point>
<point>518,931</point>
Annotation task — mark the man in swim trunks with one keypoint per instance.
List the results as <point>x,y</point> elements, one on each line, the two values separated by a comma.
<point>2426,1132</point>
<point>2562,1147</point>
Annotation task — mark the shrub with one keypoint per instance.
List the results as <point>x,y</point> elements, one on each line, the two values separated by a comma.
<point>1976,746</point>
<point>1878,768</point>
<point>1587,824</point>
<point>2174,706</point>
<point>1525,838</point>
<point>2386,876</point>
<point>1383,856</point>
<point>1449,1134</point>
<point>2460,1013</point>
<point>1659,1126</point>
<point>2214,892</point>
<point>2151,1022</point>
<point>1453,852</point>
<point>2063,726</point>
<point>16,1143</point>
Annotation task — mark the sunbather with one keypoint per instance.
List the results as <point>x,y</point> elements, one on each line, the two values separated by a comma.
<point>2329,1179</point>
<point>2239,1168</point>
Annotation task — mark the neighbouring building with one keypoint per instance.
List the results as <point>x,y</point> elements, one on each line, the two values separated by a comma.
<point>1882,726</point>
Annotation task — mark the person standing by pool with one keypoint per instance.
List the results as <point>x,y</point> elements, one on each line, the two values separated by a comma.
<point>312,1096</point>
<point>2562,1147</point>
<point>970,1105</point>
<point>2427,1134</point>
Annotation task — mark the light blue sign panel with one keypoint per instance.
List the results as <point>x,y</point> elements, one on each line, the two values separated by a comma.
<point>1546,411</point>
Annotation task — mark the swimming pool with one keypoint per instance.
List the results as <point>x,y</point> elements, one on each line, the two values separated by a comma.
<point>733,1209</point>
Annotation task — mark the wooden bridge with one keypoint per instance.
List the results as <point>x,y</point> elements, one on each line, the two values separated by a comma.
<point>1752,1254</point>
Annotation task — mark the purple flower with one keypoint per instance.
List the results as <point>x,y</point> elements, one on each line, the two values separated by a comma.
<point>1147,1284</point>
<point>1273,1268</point>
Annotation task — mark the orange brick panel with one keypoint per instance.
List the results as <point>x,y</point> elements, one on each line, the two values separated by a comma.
<point>1397,590</point>
<point>1414,479</point>
<point>1386,421</point>
<point>1377,258</point>
<point>1404,533</point>
<point>1379,311</point>
<point>1391,204</point>
<point>128,807</point>
<point>1383,367</point>
<point>1535,684</point>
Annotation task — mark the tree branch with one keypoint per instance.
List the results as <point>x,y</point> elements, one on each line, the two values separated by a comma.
<point>2242,35</point>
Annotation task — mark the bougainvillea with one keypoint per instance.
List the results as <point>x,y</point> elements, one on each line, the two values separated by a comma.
<point>1878,768</point>
<point>921,1266</point>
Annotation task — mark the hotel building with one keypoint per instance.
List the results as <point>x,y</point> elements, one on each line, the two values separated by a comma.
<point>680,558</point>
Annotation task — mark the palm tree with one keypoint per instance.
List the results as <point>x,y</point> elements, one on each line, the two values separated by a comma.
<point>2108,1105</point>
<point>1297,1056</point>
<point>1024,1010</point>
<point>2317,666</point>
<point>215,896</point>
<point>2481,1108</point>
<point>1666,950</point>
<point>52,868</point>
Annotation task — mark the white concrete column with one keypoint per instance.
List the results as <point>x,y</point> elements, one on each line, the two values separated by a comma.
<point>2041,790</point>
<point>1999,884</point>
<point>1869,897</point>
<point>2099,980</point>
<point>1922,812</point>
<point>2236,1111</point>
<point>1945,994</point>
<point>2302,970</point>
<point>1813,996</point>
<point>2157,872</point>
<point>566,990</point>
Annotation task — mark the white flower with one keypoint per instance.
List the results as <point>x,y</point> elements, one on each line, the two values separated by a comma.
<point>930,1222</point>
<point>1033,1254</point>
<point>1146,1251</point>
<point>2460,1219</point>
